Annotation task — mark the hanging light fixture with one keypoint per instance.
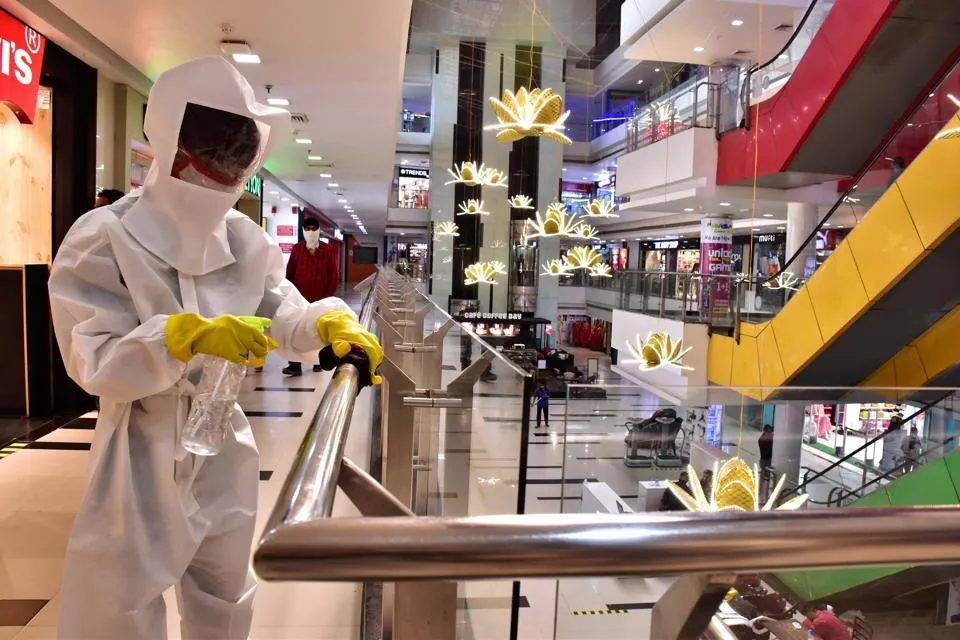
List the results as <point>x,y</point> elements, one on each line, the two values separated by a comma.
<point>555,223</point>
<point>582,257</point>
<point>599,208</point>
<point>783,280</point>
<point>498,267</point>
<point>470,174</point>
<point>480,273</point>
<point>601,270</point>
<point>472,208</point>
<point>446,228</point>
<point>658,350</point>
<point>736,487</point>
<point>583,231</point>
<point>529,113</point>
<point>521,201</point>
<point>556,267</point>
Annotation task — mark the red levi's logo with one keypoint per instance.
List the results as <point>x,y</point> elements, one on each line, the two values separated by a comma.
<point>21,58</point>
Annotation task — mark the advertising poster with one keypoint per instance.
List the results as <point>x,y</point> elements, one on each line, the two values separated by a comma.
<point>413,188</point>
<point>714,435</point>
<point>716,251</point>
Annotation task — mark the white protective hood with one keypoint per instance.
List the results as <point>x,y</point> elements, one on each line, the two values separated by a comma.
<point>181,223</point>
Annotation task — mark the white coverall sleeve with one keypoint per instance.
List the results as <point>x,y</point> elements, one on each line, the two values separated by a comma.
<point>105,348</point>
<point>294,319</point>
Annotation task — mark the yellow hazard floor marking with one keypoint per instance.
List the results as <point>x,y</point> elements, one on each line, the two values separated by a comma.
<point>12,448</point>
<point>597,612</point>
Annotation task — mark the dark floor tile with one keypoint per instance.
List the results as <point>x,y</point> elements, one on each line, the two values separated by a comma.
<point>60,446</point>
<point>81,423</point>
<point>289,389</point>
<point>18,613</point>
<point>631,606</point>
<point>544,466</point>
<point>273,414</point>
<point>554,498</point>
<point>560,480</point>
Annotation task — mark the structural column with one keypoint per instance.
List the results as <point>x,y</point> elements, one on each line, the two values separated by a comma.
<point>442,202</point>
<point>788,439</point>
<point>802,219</point>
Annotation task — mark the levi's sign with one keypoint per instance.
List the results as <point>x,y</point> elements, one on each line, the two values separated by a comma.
<point>21,58</point>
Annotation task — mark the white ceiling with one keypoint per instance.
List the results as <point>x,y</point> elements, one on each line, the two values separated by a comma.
<point>341,63</point>
<point>708,24</point>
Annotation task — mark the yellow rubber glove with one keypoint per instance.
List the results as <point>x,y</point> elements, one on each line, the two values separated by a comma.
<point>339,329</point>
<point>227,337</point>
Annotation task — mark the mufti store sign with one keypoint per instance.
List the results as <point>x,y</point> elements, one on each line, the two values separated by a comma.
<point>21,58</point>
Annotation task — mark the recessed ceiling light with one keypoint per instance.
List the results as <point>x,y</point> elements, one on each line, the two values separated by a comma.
<point>782,56</point>
<point>278,102</point>
<point>826,224</point>
<point>342,201</point>
<point>585,178</point>
<point>688,209</point>
<point>315,158</point>
<point>724,204</point>
<point>284,199</point>
<point>639,81</point>
<point>564,168</point>
<point>768,215</point>
<point>332,185</point>
<point>657,70</point>
<point>839,226</point>
<point>404,161</point>
<point>756,229</point>
<point>402,233</point>
<point>304,141</point>
<point>326,176</point>
<point>274,193</point>
<point>346,206</point>
<point>698,49</point>
<point>246,58</point>
<point>780,228</point>
<point>736,23</point>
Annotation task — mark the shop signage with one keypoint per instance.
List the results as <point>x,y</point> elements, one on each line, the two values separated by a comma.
<point>716,251</point>
<point>406,172</point>
<point>766,238</point>
<point>666,244</point>
<point>484,315</point>
<point>337,234</point>
<point>286,247</point>
<point>255,185</point>
<point>286,230</point>
<point>21,58</point>
<point>578,188</point>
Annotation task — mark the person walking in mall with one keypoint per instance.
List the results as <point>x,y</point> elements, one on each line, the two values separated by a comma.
<point>137,289</point>
<point>312,269</point>
<point>912,448</point>
<point>542,399</point>
<point>892,440</point>
<point>706,482</point>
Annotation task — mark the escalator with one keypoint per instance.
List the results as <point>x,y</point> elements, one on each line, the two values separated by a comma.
<point>870,63</point>
<point>882,308</point>
<point>935,483</point>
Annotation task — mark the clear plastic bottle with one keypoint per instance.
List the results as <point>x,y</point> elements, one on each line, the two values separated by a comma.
<point>212,407</point>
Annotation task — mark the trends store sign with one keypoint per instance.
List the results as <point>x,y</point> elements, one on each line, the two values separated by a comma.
<point>21,58</point>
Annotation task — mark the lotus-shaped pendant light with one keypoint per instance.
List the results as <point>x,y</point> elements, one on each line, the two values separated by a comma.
<point>446,228</point>
<point>783,280</point>
<point>601,270</point>
<point>498,267</point>
<point>599,208</point>
<point>583,231</point>
<point>530,113</point>
<point>470,174</point>
<point>659,349</point>
<point>521,201</point>
<point>736,487</point>
<point>556,223</point>
<point>472,208</point>
<point>582,257</point>
<point>556,267</point>
<point>480,273</point>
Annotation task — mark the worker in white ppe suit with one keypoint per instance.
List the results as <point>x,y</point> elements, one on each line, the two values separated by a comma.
<point>137,288</point>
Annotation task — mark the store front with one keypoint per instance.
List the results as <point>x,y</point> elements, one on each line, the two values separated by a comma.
<point>413,188</point>
<point>48,106</point>
<point>838,430</point>
<point>410,255</point>
<point>251,200</point>
<point>826,243</point>
<point>577,195</point>
<point>769,253</point>
<point>681,255</point>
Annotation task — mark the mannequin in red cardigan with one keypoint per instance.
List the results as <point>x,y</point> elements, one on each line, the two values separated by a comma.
<point>314,271</point>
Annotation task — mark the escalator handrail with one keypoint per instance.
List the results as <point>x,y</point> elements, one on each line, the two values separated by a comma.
<point>877,155</point>
<point>790,41</point>
<point>796,490</point>
<point>888,475</point>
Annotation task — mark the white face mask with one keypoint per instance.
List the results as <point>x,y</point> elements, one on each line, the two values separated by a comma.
<point>312,238</point>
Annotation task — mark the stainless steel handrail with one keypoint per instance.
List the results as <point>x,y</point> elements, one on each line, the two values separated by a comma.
<point>511,547</point>
<point>311,485</point>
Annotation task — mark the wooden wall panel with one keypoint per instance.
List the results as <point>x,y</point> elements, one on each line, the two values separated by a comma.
<point>26,182</point>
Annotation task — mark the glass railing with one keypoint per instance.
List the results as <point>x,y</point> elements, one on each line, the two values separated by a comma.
<point>693,104</point>
<point>766,295</point>
<point>615,447</point>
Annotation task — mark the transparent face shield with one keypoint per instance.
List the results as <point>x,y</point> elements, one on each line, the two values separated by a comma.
<point>218,149</point>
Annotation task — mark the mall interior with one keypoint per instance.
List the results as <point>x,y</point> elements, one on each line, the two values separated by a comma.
<point>689,259</point>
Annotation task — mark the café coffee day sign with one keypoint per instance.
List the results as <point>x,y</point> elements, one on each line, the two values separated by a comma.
<point>21,58</point>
